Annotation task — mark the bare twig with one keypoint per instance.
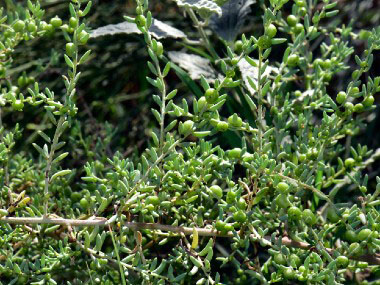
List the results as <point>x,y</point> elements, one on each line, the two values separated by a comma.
<point>103,222</point>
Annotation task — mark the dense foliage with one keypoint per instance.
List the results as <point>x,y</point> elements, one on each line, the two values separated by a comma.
<point>146,150</point>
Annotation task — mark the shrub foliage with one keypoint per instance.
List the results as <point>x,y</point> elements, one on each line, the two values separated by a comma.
<point>252,173</point>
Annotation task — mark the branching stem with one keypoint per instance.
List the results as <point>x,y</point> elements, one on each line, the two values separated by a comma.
<point>103,222</point>
<point>202,32</point>
<point>260,103</point>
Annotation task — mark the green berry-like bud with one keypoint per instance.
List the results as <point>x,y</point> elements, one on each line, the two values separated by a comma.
<point>21,81</point>
<point>293,60</point>
<point>222,126</point>
<point>240,216</point>
<point>70,49</point>
<point>300,3</point>
<point>317,62</point>
<point>211,95</point>
<point>302,11</point>
<point>302,157</point>
<point>235,61</point>
<point>349,162</point>
<point>274,111</point>
<point>312,30</point>
<point>271,31</point>
<point>65,27</point>
<point>282,201</point>
<point>341,97</point>
<point>234,153</point>
<point>242,204</point>
<point>327,76</point>
<point>43,25</point>
<point>248,157</point>
<point>83,37</point>
<point>298,28</point>
<point>75,196</point>
<point>152,200</point>
<point>231,197</point>
<point>217,191</point>
<point>264,42</point>
<point>292,20</point>
<point>140,21</point>
<point>235,121</point>
<point>230,73</point>
<point>219,225</point>
<point>56,22</point>
<point>149,207</point>
<point>282,187</point>
<point>355,249</point>
<point>358,108</point>
<point>84,203</point>
<point>354,90</point>
<point>49,28</point>
<point>289,273</point>
<point>350,236</point>
<point>342,261</point>
<point>279,259</point>
<point>18,105</point>
<point>368,101</point>
<point>19,26</point>
<point>73,22</point>
<point>294,213</point>
<point>309,217</point>
<point>364,234</point>
<point>238,46</point>
<point>349,107</point>
<point>31,27</point>
<point>187,127</point>
<point>294,259</point>
<point>326,64</point>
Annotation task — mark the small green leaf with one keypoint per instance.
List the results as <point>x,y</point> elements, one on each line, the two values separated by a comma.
<point>44,136</point>
<point>59,174</point>
<point>85,57</point>
<point>68,61</point>
<point>40,150</point>
<point>172,94</point>
<point>60,157</point>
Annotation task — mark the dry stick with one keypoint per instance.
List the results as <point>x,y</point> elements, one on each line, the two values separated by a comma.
<point>102,222</point>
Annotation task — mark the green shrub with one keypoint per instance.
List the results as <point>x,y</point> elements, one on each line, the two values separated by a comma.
<point>249,177</point>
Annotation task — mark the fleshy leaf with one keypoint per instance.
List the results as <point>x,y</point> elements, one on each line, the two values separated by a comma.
<point>195,65</point>
<point>158,29</point>
<point>201,6</point>
<point>234,13</point>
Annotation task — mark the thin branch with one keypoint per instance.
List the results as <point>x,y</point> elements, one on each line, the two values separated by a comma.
<point>54,221</point>
<point>103,222</point>
<point>346,179</point>
<point>203,34</point>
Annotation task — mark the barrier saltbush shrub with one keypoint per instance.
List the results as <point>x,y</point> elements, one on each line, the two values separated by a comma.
<point>251,173</point>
